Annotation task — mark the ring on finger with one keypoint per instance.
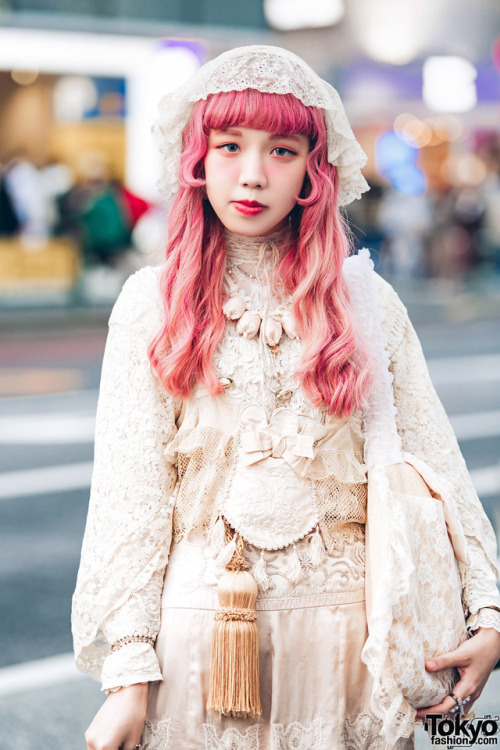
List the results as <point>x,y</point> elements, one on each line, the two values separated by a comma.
<point>460,704</point>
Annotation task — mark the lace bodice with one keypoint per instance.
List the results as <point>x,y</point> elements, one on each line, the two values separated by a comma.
<point>144,441</point>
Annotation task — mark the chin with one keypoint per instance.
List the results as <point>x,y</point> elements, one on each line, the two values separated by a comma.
<point>252,229</point>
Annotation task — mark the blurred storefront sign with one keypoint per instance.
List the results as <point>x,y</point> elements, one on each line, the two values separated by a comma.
<point>42,267</point>
<point>249,14</point>
<point>116,80</point>
<point>286,15</point>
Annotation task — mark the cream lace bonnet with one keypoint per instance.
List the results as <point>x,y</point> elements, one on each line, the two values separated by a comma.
<point>271,70</point>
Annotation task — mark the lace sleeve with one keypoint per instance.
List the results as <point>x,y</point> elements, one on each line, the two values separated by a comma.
<point>128,532</point>
<point>427,433</point>
<point>484,618</point>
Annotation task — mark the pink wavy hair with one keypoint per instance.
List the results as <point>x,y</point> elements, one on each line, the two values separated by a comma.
<point>333,370</point>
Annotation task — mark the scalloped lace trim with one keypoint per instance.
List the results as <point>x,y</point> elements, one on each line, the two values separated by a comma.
<point>156,735</point>
<point>364,734</point>
<point>231,739</point>
<point>485,618</point>
<point>382,442</point>
<point>296,736</point>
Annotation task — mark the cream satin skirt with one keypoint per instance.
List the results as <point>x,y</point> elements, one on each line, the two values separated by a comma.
<point>314,688</point>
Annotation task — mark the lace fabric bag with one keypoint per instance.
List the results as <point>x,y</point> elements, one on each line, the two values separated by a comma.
<point>413,586</point>
<point>414,541</point>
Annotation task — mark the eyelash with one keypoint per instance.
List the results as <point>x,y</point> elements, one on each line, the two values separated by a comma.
<point>282,148</point>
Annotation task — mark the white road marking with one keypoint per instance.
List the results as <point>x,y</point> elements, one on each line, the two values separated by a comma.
<point>486,481</point>
<point>46,480</point>
<point>479,424</point>
<point>32,675</point>
<point>455,370</point>
<point>47,429</point>
<point>91,393</point>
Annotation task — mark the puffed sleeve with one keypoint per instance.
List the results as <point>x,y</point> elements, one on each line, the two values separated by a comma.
<point>426,432</point>
<point>129,525</point>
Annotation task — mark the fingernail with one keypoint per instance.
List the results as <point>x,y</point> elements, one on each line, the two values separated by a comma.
<point>431,663</point>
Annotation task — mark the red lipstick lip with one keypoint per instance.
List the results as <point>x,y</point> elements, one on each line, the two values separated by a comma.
<point>248,208</point>
<point>252,204</point>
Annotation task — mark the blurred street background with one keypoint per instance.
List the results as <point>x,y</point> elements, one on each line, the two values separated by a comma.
<point>79,86</point>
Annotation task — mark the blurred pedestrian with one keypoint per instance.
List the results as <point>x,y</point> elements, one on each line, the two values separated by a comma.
<point>9,221</point>
<point>93,211</point>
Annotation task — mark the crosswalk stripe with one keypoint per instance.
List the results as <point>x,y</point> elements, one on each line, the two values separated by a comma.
<point>479,424</point>
<point>32,675</point>
<point>46,480</point>
<point>469,369</point>
<point>47,429</point>
<point>486,481</point>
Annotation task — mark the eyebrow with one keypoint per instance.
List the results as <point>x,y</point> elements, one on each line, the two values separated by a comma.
<point>277,137</point>
<point>295,137</point>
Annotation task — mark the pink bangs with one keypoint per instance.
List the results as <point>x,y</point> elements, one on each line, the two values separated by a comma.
<point>280,115</point>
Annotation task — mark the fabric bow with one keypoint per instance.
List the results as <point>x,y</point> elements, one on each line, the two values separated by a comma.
<point>280,438</point>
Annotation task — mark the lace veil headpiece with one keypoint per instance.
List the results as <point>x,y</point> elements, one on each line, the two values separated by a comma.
<point>271,70</point>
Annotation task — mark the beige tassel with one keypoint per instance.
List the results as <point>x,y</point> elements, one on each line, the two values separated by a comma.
<point>260,574</point>
<point>234,663</point>
<point>294,569</point>
<point>317,549</point>
<point>218,537</point>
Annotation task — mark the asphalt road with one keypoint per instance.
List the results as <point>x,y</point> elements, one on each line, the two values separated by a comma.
<point>49,387</point>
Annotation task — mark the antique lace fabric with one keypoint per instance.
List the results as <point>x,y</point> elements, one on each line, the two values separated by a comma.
<point>161,472</point>
<point>272,70</point>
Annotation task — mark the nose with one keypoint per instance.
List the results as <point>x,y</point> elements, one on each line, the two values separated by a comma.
<point>253,173</point>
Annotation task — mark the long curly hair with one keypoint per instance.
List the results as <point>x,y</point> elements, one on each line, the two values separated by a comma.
<point>333,369</point>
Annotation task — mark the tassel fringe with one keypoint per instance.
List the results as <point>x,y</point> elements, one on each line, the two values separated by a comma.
<point>317,549</point>
<point>234,662</point>
<point>260,574</point>
<point>295,569</point>
<point>218,537</point>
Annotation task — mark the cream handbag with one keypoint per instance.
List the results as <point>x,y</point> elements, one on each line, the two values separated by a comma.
<point>414,606</point>
<point>414,541</point>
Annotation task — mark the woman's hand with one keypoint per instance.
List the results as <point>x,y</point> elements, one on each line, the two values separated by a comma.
<point>119,722</point>
<point>474,660</point>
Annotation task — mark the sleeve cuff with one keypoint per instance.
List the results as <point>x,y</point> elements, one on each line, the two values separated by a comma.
<point>132,663</point>
<point>484,618</point>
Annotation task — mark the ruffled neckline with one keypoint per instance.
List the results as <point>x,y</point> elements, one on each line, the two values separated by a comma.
<point>255,255</point>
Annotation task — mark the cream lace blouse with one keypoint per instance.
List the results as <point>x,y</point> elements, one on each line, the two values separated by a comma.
<point>162,465</point>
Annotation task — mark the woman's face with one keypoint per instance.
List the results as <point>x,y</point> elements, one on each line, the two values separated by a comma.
<point>254,178</point>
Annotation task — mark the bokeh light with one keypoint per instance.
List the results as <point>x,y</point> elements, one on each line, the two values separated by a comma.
<point>24,77</point>
<point>396,160</point>
<point>465,169</point>
<point>392,31</point>
<point>73,96</point>
<point>449,84</point>
<point>286,15</point>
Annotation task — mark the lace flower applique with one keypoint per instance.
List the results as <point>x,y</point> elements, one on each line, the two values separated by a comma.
<point>231,739</point>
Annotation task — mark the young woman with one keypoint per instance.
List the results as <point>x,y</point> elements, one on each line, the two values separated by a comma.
<point>265,410</point>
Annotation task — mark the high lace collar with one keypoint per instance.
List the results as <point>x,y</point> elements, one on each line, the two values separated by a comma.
<point>255,254</point>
